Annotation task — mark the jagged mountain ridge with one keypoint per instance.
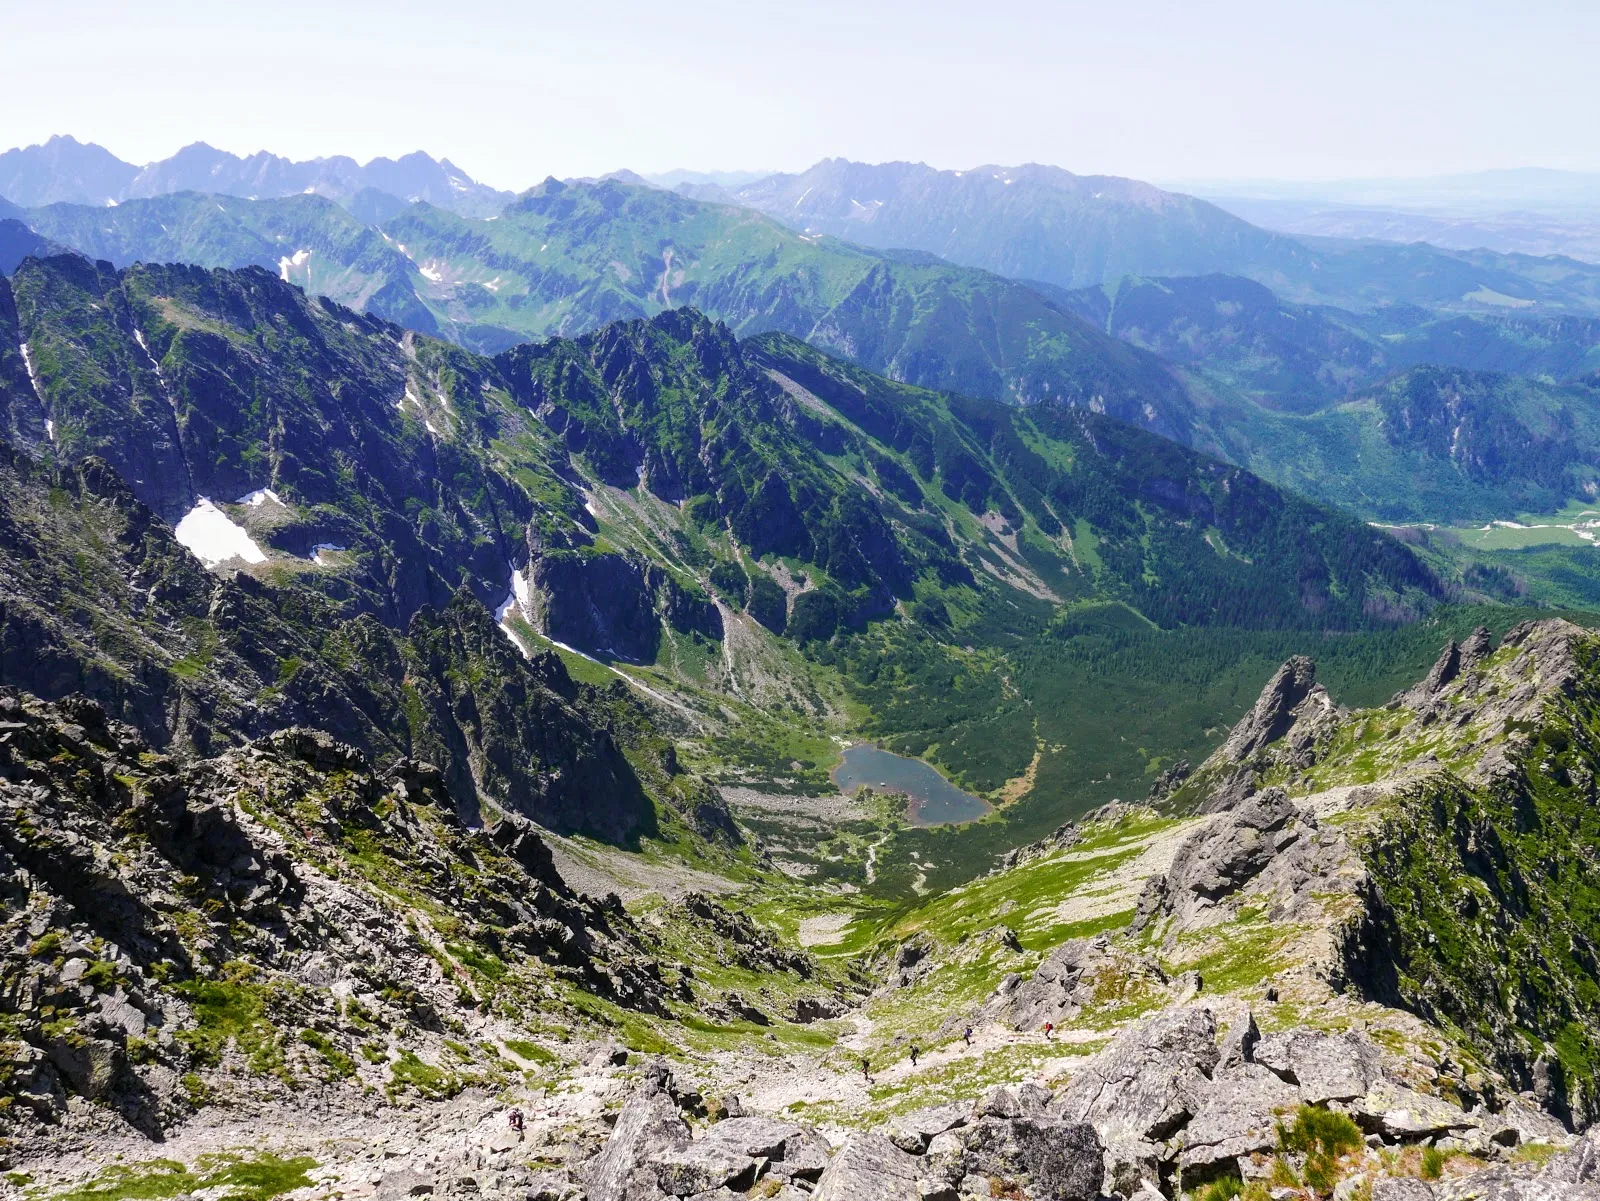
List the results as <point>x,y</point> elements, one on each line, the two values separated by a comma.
<point>568,257</point>
<point>421,467</point>
<point>66,171</point>
<point>1456,826</point>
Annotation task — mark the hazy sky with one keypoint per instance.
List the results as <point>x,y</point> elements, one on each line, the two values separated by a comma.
<point>512,92</point>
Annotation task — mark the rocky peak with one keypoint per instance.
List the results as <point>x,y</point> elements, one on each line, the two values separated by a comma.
<point>1274,711</point>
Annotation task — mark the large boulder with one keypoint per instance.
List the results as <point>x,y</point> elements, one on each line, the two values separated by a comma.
<point>870,1168</point>
<point>753,1136</point>
<point>1060,1161</point>
<point>1238,1116</point>
<point>648,1126</point>
<point>1149,1081</point>
<point>1338,1066</point>
<point>1402,1114</point>
<point>792,1151</point>
<point>914,1131</point>
<point>699,1168</point>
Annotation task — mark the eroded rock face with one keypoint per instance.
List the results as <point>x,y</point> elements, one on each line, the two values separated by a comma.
<point>614,605</point>
<point>1267,850</point>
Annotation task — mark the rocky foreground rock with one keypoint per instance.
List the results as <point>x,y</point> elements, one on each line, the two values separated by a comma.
<point>1165,1105</point>
<point>1171,1104</point>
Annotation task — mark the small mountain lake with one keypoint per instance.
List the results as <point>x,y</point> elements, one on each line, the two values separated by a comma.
<point>934,800</point>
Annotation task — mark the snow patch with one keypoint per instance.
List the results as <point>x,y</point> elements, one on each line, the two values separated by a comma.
<point>320,551</point>
<point>138,336</point>
<point>299,259</point>
<point>213,538</point>
<point>110,203</point>
<point>33,372</point>
<point>803,195</point>
<point>430,272</point>
<point>493,285</point>
<point>544,248</point>
<point>49,429</point>
<point>518,602</point>
<point>258,498</point>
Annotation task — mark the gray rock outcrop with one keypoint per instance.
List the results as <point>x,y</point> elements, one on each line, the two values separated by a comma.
<point>1267,850</point>
<point>1269,719</point>
<point>649,1125</point>
<point>870,1168</point>
<point>1150,1081</point>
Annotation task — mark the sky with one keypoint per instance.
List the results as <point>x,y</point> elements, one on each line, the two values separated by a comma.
<point>513,92</point>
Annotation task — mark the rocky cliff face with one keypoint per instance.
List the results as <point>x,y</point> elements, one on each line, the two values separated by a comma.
<point>98,598</point>
<point>1444,844</point>
<point>180,929</point>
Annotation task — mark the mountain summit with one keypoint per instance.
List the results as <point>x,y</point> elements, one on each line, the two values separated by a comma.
<point>1027,222</point>
<point>64,170</point>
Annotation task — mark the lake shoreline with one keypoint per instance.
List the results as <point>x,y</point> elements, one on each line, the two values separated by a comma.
<point>931,799</point>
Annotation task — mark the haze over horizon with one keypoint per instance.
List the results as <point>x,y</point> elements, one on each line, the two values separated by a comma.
<point>512,94</point>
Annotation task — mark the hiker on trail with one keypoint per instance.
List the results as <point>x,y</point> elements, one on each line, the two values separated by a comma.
<point>866,1070</point>
<point>1048,1027</point>
<point>914,1054</point>
<point>967,1035</point>
<point>515,1120</point>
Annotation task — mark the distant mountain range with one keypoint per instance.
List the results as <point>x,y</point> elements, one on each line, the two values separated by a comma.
<point>1279,362</point>
<point>1029,222</point>
<point>1048,226</point>
<point>66,171</point>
